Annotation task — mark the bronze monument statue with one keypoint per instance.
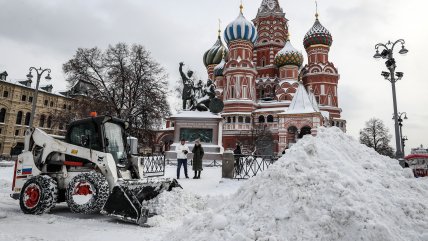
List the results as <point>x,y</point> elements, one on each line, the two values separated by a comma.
<point>201,97</point>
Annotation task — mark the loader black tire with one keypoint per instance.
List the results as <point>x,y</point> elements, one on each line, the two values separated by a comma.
<point>38,195</point>
<point>99,188</point>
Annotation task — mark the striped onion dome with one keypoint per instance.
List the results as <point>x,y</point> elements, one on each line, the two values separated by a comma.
<point>318,34</point>
<point>240,29</point>
<point>214,55</point>
<point>288,56</point>
<point>218,70</point>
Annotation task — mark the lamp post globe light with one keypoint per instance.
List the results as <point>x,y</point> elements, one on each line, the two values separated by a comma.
<point>386,51</point>
<point>39,73</point>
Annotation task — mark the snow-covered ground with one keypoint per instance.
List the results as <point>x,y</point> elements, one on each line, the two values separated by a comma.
<point>61,224</point>
<point>325,188</point>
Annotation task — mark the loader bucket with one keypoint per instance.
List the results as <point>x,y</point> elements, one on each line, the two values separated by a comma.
<point>131,201</point>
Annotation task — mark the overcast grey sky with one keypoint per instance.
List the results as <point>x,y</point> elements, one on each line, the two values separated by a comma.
<point>47,33</point>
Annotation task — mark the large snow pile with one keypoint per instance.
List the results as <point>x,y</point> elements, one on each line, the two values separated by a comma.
<point>328,187</point>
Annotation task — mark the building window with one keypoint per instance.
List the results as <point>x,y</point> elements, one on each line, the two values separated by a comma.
<point>27,118</point>
<point>329,100</point>
<point>1,130</point>
<point>234,119</point>
<point>241,119</point>
<point>232,92</point>
<point>19,118</point>
<point>322,89</point>
<point>42,121</point>
<point>261,119</point>
<point>24,98</point>
<point>5,94</point>
<point>229,119</point>
<point>2,115</point>
<point>247,119</point>
<point>30,99</point>
<point>64,106</point>
<point>49,122</point>
<point>46,102</point>
<point>244,92</point>
<point>51,103</point>
<point>16,132</point>
<point>270,118</point>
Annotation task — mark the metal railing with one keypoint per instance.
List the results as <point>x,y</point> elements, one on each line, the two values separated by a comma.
<point>249,166</point>
<point>154,166</point>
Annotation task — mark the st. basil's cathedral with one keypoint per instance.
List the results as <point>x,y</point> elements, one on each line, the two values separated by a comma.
<point>264,85</point>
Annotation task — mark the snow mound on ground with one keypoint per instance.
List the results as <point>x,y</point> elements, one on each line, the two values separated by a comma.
<point>175,206</point>
<point>328,187</point>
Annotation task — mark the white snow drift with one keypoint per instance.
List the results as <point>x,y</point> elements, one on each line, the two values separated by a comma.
<point>328,187</point>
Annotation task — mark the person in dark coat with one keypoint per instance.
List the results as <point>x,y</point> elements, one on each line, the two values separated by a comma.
<point>237,154</point>
<point>198,154</point>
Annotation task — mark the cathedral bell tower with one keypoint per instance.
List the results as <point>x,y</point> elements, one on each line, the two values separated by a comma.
<point>239,93</point>
<point>320,75</point>
<point>272,31</point>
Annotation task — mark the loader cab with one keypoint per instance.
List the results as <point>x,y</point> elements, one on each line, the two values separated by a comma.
<point>102,133</point>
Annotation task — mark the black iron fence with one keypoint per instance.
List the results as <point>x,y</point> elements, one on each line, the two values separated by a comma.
<point>154,166</point>
<point>247,166</point>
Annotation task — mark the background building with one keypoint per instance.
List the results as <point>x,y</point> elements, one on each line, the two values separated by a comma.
<point>15,110</point>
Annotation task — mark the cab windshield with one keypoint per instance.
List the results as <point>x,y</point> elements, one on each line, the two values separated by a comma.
<point>115,144</point>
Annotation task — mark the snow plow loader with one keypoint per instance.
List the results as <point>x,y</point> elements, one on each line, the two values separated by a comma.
<point>90,169</point>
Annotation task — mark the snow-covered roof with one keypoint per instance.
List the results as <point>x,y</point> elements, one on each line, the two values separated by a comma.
<point>278,109</point>
<point>195,114</point>
<point>325,114</point>
<point>313,101</point>
<point>301,102</point>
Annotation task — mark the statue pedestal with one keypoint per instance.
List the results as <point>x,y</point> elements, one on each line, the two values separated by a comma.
<point>192,125</point>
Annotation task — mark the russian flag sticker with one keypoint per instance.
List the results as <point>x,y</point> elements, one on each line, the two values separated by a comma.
<point>27,170</point>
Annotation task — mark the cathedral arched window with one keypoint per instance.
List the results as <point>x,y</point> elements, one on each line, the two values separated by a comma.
<point>261,119</point>
<point>241,119</point>
<point>269,118</point>
<point>247,119</point>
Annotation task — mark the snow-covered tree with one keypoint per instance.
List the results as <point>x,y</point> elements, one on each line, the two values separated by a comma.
<point>376,136</point>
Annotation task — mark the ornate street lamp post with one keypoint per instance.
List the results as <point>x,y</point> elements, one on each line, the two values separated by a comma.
<point>393,77</point>
<point>400,123</point>
<point>39,73</point>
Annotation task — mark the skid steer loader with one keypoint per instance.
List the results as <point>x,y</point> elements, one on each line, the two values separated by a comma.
<point>89,168</point>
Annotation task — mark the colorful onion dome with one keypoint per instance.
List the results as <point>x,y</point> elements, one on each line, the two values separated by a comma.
<point>240,29</point>
<point>214,55</point>
<point>288,56</point>
<point>318,34</point>
<point>218,70</point>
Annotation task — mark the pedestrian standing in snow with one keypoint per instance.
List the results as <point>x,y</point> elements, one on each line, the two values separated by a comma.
<point>182,150</point>
<point>198,154</point>
<point>237,154</point>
